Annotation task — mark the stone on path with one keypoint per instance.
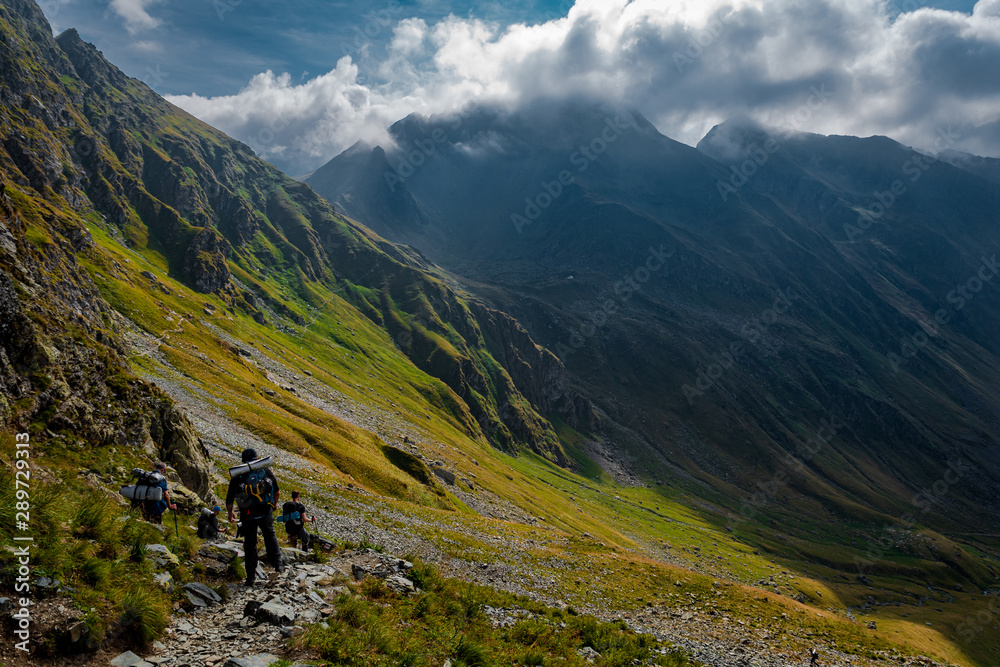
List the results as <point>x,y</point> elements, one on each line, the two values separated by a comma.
<point>129,659</point>
<point>400,583</point>
<point>161,556</point>
<point>201,595</point>
<point>224,552</point>
<point>259,660</point>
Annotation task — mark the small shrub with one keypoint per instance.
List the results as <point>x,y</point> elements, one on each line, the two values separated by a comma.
<point>96,518</point>
<point>185,546</point>
<point>425,606</point>
<point>353,611</point>
<point>144,612</point>
<point>236,570</point>
<point>95,571</point>
<point>375,589</point>
<point>377,636</point>
<point>410,658</point>
<point>471,654</point>
<point>426,576</point>
<point>532,657</point>
<point>137,552</point>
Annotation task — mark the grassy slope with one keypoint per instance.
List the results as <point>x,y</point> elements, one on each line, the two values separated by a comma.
<point>631,542</point>
<point>342,345</point>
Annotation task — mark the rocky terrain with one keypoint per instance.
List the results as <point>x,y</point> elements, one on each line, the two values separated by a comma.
<point>250,626</point>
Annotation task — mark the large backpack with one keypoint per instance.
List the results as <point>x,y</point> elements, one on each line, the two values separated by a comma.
<point>256,490</point>
<point>291,525</point>
<point>147,491</point>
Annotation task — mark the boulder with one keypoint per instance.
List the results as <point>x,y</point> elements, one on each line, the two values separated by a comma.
<point>276,614</point>
<point>188,502</point>
<point>161,556</point>
<point>201,595</point>
<point>225,552</point>
<point>77,631</point>
<point>128,659</point>
<point>400,584</point>
<point>271,612</point>
<point>165,580</point>
<point>444,475</point>
<point>180,446</point>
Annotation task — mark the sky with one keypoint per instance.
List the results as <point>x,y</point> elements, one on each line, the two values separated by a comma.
<point>302,80</point>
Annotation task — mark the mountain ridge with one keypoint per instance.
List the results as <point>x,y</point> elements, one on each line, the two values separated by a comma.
<point>139,246</point>
<point>790,210</point>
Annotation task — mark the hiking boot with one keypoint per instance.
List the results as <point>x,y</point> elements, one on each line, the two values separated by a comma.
<point>280,567</point>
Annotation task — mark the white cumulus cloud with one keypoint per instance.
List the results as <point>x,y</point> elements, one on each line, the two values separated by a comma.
<point>830,66</point>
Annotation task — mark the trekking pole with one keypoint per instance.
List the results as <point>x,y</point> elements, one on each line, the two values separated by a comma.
<point>177,532</point>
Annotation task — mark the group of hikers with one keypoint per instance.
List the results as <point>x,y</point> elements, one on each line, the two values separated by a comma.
<point>254,492</point>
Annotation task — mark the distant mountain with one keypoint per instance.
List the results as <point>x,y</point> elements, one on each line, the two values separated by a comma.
<point>766,306</point>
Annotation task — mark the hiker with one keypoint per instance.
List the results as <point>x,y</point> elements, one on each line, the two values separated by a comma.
<point>813,657</point>
<point>208,523</point>
<point>256,491</point>
<point>153,509</point>
<point>296,528</point>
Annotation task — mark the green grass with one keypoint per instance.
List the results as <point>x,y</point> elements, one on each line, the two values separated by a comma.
<point>447,621</point>
<point>86,539</point>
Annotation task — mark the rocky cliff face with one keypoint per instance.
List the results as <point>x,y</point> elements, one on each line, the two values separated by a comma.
<point>62,362</point>
<point>83,142</point>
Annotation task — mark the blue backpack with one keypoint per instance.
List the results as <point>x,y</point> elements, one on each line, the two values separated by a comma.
<point>256,490</point>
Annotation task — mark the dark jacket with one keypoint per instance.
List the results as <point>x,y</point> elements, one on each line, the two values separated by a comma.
<point>293,526</point>
<point>208,526</point>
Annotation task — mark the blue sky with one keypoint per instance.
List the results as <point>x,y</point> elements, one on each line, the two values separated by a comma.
<point>213,47</point>
<point>301,80</point>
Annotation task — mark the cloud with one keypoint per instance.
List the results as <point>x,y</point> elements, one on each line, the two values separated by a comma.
<point>135,15</point>
<point>687,65</point>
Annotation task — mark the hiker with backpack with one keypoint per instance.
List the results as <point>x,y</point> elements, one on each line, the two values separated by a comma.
<point>208,523</point>
<point>254,488</point>
<point>295,526</point>
<point>149,493</point>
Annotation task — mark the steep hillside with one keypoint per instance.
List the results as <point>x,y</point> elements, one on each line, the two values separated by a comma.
<point>140,247</point>
<point>769,359</point>
<point>224,222</point>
